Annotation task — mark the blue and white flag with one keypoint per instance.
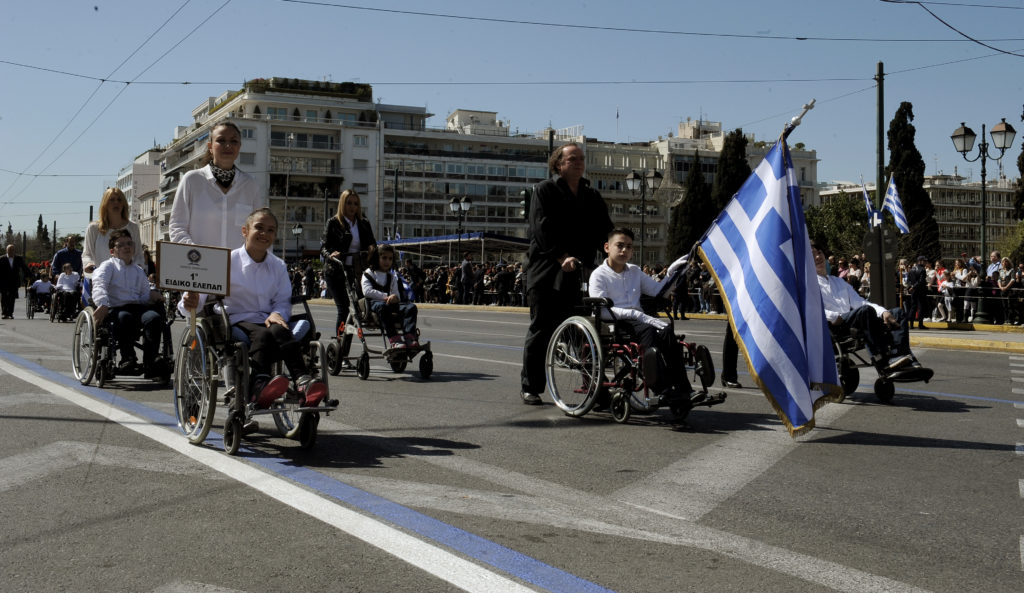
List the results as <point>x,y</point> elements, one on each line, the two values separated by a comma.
<point>867,198</point>
<point>760,255</point>
<point>893,205</point>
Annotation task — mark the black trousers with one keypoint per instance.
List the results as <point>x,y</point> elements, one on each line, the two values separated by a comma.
<point>730,352</point>
<point>548,308</point>
<point>336,285</point>
<point>671,372</point>
<point>7,298</point>
<point>271,344</point>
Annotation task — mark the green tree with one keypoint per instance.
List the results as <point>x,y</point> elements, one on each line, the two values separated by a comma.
<point>694,213</point>
<point>1018,196</point>
<point>733,169</point>
<point>906,164</point>
<point>43,236</point>
<point>842,221</point>
<point>8,236</point>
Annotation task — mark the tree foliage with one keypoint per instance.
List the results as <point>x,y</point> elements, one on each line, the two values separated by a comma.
<point>43,236</point>
<point>906,164</point>
<point>1018,196</point>
<point>841,221</point>
<point>733,169</point>
<point>694,213</point>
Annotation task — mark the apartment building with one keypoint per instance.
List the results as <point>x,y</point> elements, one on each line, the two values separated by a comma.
<point>139,182</point>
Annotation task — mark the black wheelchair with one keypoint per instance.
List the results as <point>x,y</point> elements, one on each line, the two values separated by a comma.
<point>361,323</point>
<point>36,303</point>
<point>848,344</point>
<point>65,305</point>
<point>217,351</point>
<point>586,349</point>
<point>94,351</point>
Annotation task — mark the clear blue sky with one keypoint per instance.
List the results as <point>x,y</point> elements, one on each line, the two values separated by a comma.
<point>745,69</point>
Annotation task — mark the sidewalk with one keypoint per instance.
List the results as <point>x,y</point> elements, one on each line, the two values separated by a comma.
<point>948,336</point>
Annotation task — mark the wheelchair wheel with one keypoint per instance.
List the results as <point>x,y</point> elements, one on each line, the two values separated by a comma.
<point>102,373</point>
<point>574,366</point>
<point>195,388</point>
<point>232,435</point>
<point>307,430</point>
<point>703,367</point>
<point>884,390</point>
<point>333,358</point>
<point>30,309</point>
<point>83,347</point>
<point>426,366</point>
<point>54,301</point>
<point>620,407</point>
<point>849,376</point>
<point>398,364</point>
<point>363,366</point>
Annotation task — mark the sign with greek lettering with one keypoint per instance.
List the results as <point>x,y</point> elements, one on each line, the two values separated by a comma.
<point>195,268</point>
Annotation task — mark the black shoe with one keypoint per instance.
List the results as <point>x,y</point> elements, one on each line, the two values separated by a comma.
<point>731,384</point>
<point>250,427</point>
<point>531,399</point>
<point>129,367</point>
<point>898,362</point>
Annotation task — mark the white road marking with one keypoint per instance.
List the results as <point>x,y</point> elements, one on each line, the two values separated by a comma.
<point>517,363</point>
<point>1020,422</point>
<point>427,557</point>
<point>588,512</point>
<point>192,587</point>
<point>23,468</point>
<point>696,485</point>
<point>432,317</point>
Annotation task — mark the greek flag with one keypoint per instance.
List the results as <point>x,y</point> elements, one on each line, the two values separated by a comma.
<point>760,256</point>
<point>893,205</point>
<point>867,199</point>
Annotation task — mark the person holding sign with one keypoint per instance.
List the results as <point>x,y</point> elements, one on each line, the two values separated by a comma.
<point>260,306</point>
<point>120,289</point>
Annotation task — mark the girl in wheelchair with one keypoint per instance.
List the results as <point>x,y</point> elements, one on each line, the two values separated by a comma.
<point>68,292</point>
<point>258,309</point>
<point>381,289</point>
<point>624,283</point>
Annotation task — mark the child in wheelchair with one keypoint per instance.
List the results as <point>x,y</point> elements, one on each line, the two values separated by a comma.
<point>382,291</point>
<point>121,291</point>
<point>259,307</point>
<point>39,292</point>
<point>68,292</point>
<point>624,283</point>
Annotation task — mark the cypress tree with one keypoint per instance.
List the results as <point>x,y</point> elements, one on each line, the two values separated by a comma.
<point>694,213</point>
<point>906,163</point>
<point>733,169</point>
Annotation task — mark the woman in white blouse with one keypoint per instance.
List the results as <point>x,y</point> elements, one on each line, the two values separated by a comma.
<point>212,203</point>
<point>113,217</point>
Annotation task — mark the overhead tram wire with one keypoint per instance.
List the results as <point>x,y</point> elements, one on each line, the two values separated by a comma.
<point>123,89</point>
<point>88,100</point>
<point>620,29</point>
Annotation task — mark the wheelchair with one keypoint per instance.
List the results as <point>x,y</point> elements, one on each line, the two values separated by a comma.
<point>64,305</point>
<point>361,323</point>
<point>36,303</point>
<point>216,350</point>
<point>585,349</point>
<point>94,350</point>
<point>847,346</point>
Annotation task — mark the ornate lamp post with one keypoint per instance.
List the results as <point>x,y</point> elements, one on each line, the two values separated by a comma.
<point>963,140</point>
<point>297,232</point>
<point>635,181</point>
<point>461,208</point>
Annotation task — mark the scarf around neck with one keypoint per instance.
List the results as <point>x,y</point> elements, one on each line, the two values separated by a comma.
<point>223,177</point>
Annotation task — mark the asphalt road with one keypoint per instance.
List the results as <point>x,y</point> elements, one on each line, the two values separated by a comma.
<point>453,484</point>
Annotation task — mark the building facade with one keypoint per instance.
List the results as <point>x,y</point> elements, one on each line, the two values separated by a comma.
<point>139,182</point>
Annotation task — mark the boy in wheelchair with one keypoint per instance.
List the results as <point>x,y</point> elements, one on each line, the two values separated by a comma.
<point>884,330</point>
<point>259,306</point>
<point>121,290</point>
<point>67,296</point>
<point>384,296</point>
<point>624,283</point>
<point>39,292</point>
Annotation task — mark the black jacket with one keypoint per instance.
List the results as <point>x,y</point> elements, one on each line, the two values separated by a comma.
<point>11,277</point>
<point>338,237</point>
<point>561,223</point>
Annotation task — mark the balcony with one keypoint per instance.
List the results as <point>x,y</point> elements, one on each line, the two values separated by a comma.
<point>307,169</point>
<point>333,146</point>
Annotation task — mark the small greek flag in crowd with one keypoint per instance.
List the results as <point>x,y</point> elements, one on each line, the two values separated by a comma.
<point>867,198</point>
<point>893,205</point>
<point>760,256</point>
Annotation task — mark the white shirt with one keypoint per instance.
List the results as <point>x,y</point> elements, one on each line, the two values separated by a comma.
<point>203,214</point>
<point>381,277</point>
<point>115,283</point>
<point>353,247</point>
<point>96,249</point>
<point>839,298</point>
<point>624,290</point>
<point>257,289</point>
<point>68,282</point>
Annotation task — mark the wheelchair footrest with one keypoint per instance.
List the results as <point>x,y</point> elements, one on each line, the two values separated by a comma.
<point>711,399</point>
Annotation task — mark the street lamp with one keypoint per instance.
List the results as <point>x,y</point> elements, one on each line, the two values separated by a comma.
<point>635,181</point>
<point>297,231</point>
<point>963,140</point>
<point>461,208</point>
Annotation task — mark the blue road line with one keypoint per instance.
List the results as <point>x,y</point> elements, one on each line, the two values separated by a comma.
<point>486,552</point>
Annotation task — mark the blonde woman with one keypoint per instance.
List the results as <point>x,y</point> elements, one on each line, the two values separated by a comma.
<point>113,217</point>
<point>347,238</point>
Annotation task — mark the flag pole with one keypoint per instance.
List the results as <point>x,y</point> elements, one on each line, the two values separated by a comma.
<point>793,123</point>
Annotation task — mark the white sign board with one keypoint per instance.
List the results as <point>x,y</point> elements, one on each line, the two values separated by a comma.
<point>195,268</point>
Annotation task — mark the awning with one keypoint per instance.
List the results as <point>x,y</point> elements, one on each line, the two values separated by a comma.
<point>489,247</point>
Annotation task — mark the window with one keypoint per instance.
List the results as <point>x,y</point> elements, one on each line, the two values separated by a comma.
<point>360,164</point>
<point>311,115</point>
<point>360,140</point>
<point>361,188</point>
<point>247,158</point>
<point>248,133</point>
<point>277,113</point>
<point>455,168</point>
